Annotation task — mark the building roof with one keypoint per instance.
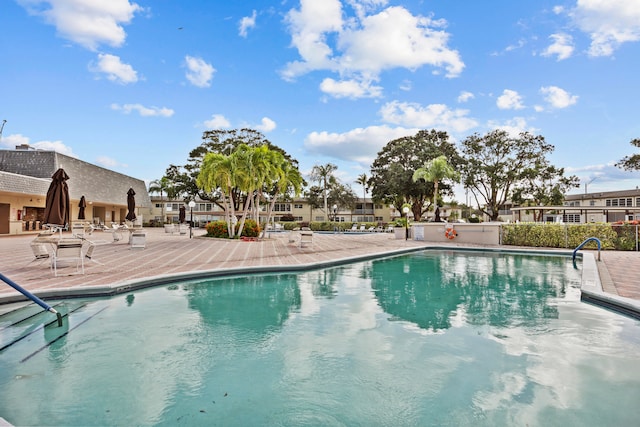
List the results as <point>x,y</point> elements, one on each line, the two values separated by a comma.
<point>604,195</point>
<point>27,171</point>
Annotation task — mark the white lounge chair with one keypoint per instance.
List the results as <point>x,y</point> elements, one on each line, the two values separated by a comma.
<point>353,228</point>
<point>306,238</point>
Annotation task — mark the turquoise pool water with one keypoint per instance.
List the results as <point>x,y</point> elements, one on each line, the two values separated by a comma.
<point>426,339</point>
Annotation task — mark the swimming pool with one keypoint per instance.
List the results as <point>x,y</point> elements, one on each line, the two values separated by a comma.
<point>429,338</point>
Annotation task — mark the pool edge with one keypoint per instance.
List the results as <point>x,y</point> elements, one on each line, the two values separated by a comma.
<point>591,286</point>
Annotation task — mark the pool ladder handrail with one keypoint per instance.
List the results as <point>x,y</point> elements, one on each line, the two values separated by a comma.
<point>581,245</point>
<point>32,297</point>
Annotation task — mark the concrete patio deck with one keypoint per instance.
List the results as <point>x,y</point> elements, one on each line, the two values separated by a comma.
<point>171,254</point>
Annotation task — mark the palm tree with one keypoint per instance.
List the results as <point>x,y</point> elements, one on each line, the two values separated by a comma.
<point>216,173</point>
<point>161,186</point>
<point>435,170</point>
<point>323,174</point>
<point>362,180</point>
<point>289,181</point>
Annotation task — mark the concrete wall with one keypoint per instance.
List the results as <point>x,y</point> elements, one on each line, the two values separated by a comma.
<point>483,233</point>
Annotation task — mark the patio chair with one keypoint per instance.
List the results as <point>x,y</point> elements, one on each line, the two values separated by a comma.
<point>306,238</point>
<point>353,228</point>
<point>363,228</point>
<point>68,250</point>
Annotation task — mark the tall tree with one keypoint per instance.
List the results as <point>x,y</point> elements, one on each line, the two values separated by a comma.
<point>544,185</point>
<point>322,174</point>
<point>363,180</point>
<point>217,174</point>
<point>436,170</point>
<point>497,163</point>
<point>632,162</point>
<point>392,171</point>
<point>162,186</point>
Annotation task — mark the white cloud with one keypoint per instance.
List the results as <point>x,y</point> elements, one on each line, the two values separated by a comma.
<point>557,97</point>
<point>109,162</point>
<point>609,23</point>
<point>510,100</point>
<point>359,145</point>
<point>350,88</point>
<point>266,125</point>
<point>562,46</point>
<point>143,111</point>
<point>86,22</point>
<point>406,85</point>
<point>366,45</point>
<point>246,23</point>
<point>199,72</point>
<point>513,127</point>
<point>434,115</point>
<point>465,96</point>
<point>115,70</point>
<point>14,140</point>
<point>217,121</point>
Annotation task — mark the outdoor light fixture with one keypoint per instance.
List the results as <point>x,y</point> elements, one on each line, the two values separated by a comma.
<point>191,205</point>
<point>406,222</point>
<point>335,212</point>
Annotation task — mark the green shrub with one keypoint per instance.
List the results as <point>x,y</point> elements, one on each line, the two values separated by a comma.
<point>560,235</point>
<point>250,229</point>
<point>217,229</point>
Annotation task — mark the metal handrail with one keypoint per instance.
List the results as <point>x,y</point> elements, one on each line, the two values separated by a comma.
<point>581,245</point>
<point>32,297</point>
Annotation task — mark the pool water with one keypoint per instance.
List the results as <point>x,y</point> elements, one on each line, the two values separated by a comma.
<point>436,338</point>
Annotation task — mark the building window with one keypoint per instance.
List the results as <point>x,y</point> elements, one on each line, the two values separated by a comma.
<point>297,206</point>
<point>574,218</point>
<point>377,206</point>
<point>638,201</point>
<point>592,203</point>
<point>282,207</point>
<point>575,203</point>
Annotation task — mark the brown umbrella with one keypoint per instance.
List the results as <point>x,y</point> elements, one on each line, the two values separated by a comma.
<point>57,207</point>
<point>81,206</point>
<point>183,214</point>
<point>131,205</point>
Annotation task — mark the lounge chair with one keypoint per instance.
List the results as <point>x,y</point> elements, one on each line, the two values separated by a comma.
<point>138,239</point>
<point>363,228</point>
<point>353,228</point>
<point>68,250</point>
<point>306,238</point>
<point>390,228</point>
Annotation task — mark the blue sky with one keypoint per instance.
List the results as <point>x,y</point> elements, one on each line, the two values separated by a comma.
<point>131,84</point>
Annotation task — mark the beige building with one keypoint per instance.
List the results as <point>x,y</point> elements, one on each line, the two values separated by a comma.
<point>25,175</point>
<point>605,206</point>
<point>298,209</point>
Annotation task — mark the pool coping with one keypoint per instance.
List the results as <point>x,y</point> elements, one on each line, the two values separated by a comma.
<point>591,284</point>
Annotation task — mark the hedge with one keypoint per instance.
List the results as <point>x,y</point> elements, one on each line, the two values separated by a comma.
<point>611,236</point>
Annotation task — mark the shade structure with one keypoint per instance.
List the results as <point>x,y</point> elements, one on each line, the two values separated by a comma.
<point>131,205</point>
<point>81,206</point>
<point>57,207</point>
<point>183,214</point>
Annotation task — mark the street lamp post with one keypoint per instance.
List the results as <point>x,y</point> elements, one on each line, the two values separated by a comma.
<point>406,222</point>
<point>335,212</point>
<point>191,205</point>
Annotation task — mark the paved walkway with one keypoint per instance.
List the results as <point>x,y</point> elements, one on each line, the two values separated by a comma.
<point>168,254</point>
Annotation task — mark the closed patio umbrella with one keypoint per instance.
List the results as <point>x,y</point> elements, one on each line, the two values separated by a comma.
<point>57,207</point>
<point>131,205</point>
<point>81,206</point>
<point>183,214</point>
